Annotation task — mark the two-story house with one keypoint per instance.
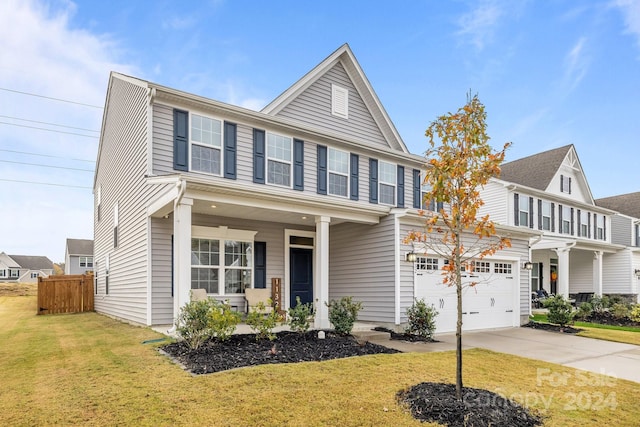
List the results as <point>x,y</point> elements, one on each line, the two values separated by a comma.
<point>24,268</point>
<point>78,256</point>
<point>549,192</point>
<point>624,266</point>
<point>313,194</point>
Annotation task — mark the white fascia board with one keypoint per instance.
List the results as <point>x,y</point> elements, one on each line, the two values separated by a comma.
<point>163,204</point>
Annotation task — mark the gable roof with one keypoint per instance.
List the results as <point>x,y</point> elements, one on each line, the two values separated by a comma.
<point>345,56</point>
<point>535,171</point>
<point>79,247</point>
<point>33,262</point>
<point>627,204</point>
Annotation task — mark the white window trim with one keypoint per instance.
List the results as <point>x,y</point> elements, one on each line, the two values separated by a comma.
<point>566,219</point>
<point>13,273</point>
<point>394,184</point>
<point>347,175</point>
<point>267,158</point>
<point>192,142</point>
<point>339,109</point>
<point>543,216</point>
<point>223,234</point>
<point>3,273</point>
<point>600,229</point>
<point>520,210</point>
<point>86,262</point>
<point>584,222</point>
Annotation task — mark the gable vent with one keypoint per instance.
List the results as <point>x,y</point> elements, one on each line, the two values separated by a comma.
<point>339,101</point>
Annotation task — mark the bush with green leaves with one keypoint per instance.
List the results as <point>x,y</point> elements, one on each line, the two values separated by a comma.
<point>584,311</point>
<point>619,310</point>
<point>193,322</point>
<point>263,324</point>
<point>222,320</point>
<point>560,310</point>
<point>421,319</point>
<point>300,316</point>
<point>634,313</point>
<point>343,314</point>
<point>599,303</point>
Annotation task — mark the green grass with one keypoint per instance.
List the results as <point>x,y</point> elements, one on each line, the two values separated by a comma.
<point>543,318</point>
<point>87,369</point>
<point>623,334</point>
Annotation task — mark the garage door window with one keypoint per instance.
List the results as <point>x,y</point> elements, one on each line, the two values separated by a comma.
<point>426,263</point>
<point>482,267</point>
<point>502,268</point>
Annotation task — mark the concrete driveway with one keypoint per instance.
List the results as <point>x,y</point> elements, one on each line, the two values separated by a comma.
<point>603,357</point>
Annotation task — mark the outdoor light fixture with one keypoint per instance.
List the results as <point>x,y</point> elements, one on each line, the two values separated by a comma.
<point>411,257</point>
<point>637,273</point>
<point>528,265</point>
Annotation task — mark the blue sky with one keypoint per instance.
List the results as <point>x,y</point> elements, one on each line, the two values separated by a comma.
<point>550,73</point>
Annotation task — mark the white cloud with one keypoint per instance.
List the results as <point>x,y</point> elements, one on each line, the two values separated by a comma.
<point>576,64</point>
<point>44,54</point>
<point>478,25</point>
<point>630,10</point>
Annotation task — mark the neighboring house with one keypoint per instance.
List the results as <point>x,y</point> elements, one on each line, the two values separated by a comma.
<point>78,256</point>
<point>316,192</point>
<point>549,192</point>
<point>625,230</point>
<point>24,268</point>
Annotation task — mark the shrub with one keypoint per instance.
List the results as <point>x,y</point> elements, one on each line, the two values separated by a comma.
<point>263,324</point>
<point>584,310</point>
<point>560,310</point>
<point>299,316</point>
<point>422,319</point>
<point>193,322</point>
<point>599,303</point>
<point>343,314</point>
<point>619,310</point>
<point>222,320</point>
<point>634,313</point>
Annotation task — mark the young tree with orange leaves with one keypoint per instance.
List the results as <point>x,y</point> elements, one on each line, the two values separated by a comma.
<point>460,162</point>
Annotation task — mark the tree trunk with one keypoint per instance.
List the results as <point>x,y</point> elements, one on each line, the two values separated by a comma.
<point>458,275</point>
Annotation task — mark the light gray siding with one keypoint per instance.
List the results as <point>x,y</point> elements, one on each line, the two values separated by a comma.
<point>621,230</point>
<point>361,265</point>
<point>161,271</point>
<point>162,145</point>
<point>121,177</point>
<point>313,107</point>
<point>496,203</point>
<point>617,273</point>
<point>581,271</point>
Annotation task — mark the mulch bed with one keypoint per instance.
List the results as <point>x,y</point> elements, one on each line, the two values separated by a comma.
<point>404,336</point>
<point>289,347</point>
<point>552,328</point>
<point>436,402</point>
<point>606,318</point>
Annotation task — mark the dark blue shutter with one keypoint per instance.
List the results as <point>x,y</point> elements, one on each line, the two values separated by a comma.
<point>516,209</point>
<point>373,180</point>
<point>298,164</point>
<point>560,225</point>
<point>553,217</point>
<point>539,214</point>
<point>230,143</point>
<point>322,169</point>
<point>400,188</point>
<point>354,184</point>
<point>604,227</point>
<point>260,265</point>
<point>572,231</point>
<point>180,140</point>
<point>530,212</point>
<point>417,184</point>
<point>258,156</point>
<point>579,222</point>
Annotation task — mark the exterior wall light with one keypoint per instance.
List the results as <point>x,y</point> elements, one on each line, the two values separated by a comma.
<point>411,257</point>
<point>528,265</point>
<point>637,273</point>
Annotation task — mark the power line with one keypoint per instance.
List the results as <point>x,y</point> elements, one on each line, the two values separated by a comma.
<point>45,183</point>
<point>49,130</point>
<point>46,166</point>
<point>46,155</point>
<point>49,97</point>
<point>50,124</point>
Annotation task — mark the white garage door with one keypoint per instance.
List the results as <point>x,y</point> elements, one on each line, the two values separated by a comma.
<point>489,304</point>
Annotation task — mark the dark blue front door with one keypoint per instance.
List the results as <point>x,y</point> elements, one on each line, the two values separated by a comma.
<point>301,267</point>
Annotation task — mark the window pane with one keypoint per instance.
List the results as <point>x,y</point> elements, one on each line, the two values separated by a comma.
<point>204,159</point>
<point>237,254</point>
<point>235,281</point>
<point>278,173</point>
<point>387,194</point>
<point>206,131</point>
<point>337,184</point>
<point>338,161</point>
<point>205,252</point>
<point>387,173</point>
<point>524,218</point>
<point>205,278</point>
<point>278,147</point>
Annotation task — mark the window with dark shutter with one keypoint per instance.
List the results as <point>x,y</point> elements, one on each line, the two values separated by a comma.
<point>354,177</point>
<point>516,209</point>
<point>417,184</point>
<point>258,156</point>
<point>322,170</point>
<point>400,172</point>
<point>298,164</point>
<point>373,180</point>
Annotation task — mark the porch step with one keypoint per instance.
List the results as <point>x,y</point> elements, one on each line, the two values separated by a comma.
<point>370,335</point>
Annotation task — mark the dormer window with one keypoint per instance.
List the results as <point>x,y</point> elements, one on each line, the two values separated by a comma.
<point>565,184</point>
<point>339,101</point>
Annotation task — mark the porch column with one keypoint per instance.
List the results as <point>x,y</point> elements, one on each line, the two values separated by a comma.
<point>597,272</point>
<point>181,255</point>
<point>563,272</point>
<point>321,279</point>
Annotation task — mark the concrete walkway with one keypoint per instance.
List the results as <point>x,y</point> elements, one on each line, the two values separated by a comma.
<point>602,357</point>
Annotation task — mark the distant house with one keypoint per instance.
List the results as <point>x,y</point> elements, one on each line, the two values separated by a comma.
<point>24,268</point>
<point>78,257</point>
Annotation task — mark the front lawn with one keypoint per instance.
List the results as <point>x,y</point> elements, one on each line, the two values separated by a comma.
<point>87,369</point>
